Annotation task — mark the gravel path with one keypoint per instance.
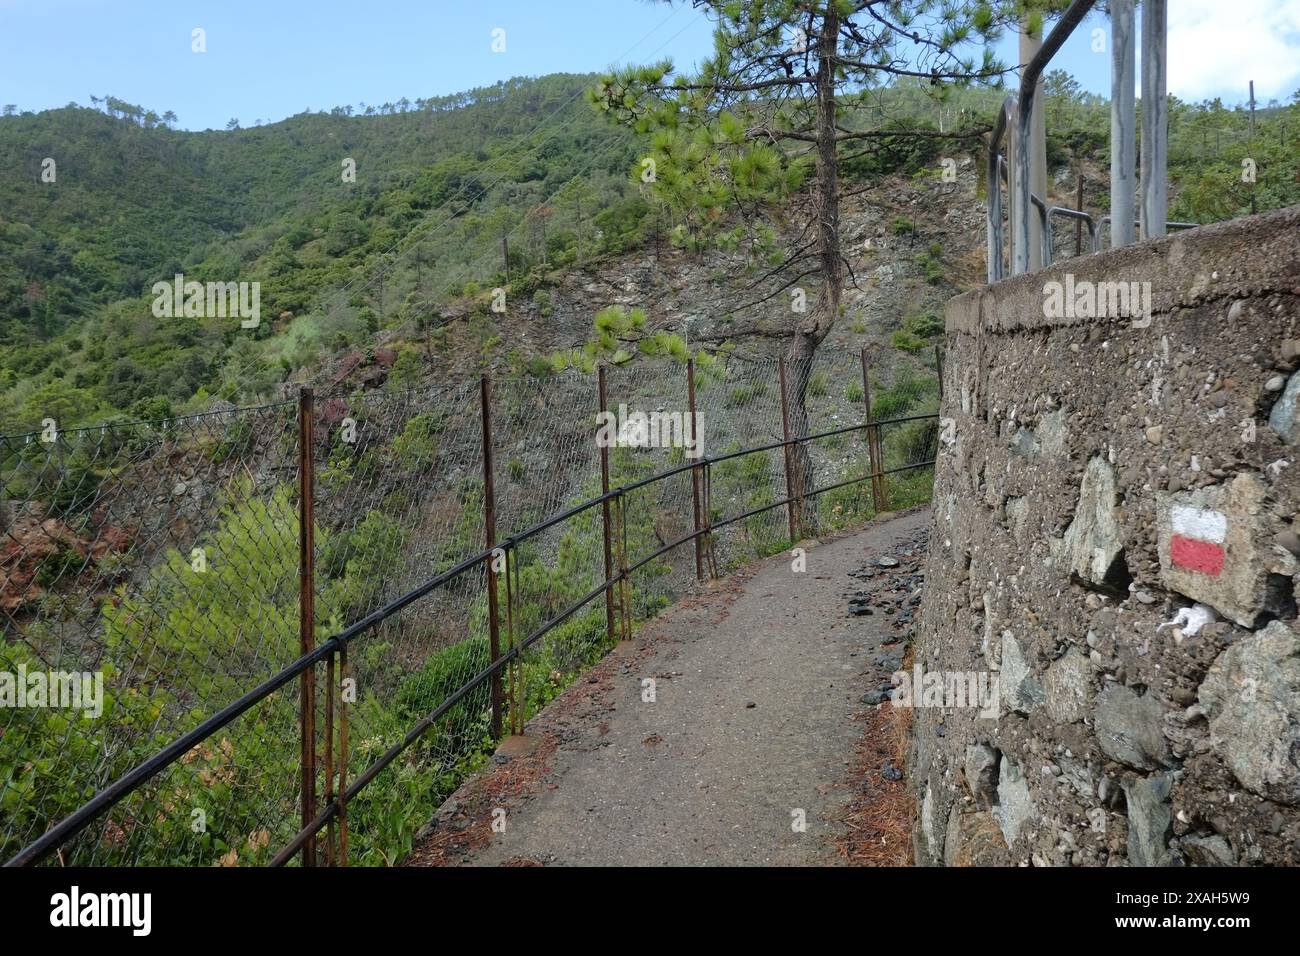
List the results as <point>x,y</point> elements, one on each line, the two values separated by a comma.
<point>757,682</point>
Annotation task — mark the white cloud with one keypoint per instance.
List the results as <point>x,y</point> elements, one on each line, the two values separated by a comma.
<point>1216,47</point>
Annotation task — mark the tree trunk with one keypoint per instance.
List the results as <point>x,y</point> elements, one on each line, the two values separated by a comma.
<point>812,328</point>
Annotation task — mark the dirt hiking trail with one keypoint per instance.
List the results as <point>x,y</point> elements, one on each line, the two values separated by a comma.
<point>758,713</point>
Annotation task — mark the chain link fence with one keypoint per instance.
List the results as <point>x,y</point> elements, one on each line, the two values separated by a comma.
<point>452,593</point>
<point>154,567</point>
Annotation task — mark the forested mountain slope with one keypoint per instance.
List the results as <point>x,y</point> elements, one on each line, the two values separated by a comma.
<point>413,244</point>
<point>131,205</point>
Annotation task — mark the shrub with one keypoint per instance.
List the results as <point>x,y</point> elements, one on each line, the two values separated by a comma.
<point>443,673</point>
<point>912,443</point>
<point>63,563</point>
<point>67,487</point>
<point>744,394</point>
<point>918,331</point>
<point>416,447</point>
<point>931,264</point>
<point>406,370</point>
<point>236,442</point>
<point>542,303</point>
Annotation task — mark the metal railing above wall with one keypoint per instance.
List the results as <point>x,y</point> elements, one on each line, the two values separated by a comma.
<point>1014,122</point>
<point>1096,225</point>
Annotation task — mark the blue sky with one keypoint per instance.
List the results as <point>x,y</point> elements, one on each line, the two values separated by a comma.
<point>270,59</point>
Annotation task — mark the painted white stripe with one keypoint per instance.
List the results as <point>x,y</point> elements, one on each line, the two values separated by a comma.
<point>1200,524</point>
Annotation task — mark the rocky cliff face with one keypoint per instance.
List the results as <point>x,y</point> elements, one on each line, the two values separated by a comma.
<point>911,244</point>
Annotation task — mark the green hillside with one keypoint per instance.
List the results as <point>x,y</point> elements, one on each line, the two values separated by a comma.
<point>134,202</point>
<point>438,184</point>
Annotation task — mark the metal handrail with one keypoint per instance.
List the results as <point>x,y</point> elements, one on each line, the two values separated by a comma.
<point>1017,113</point>
<point>1023,106</point>
<point>996,171</point>
<point>1068,213</point>
<point>103,801</point>
<point>1044,234</point>
<point>1020,231</point>
<point>1105,221</point>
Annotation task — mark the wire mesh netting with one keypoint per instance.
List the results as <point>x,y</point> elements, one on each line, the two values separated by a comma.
<point>163,559</point>
<point>548,463</point>
<point>399,499</point>
<point>650,403</point>
<point>157,566</point>
<point>906,401</point>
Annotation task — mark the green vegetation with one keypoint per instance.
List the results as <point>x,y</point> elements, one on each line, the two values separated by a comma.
<point>619,337</point>
<point>742,484</point>
<point>931,264</point>
<point>918,331</point>
<point>416,448</point>
<point>1209,143</point>
<point>909,392</point>
<point>136,202</point>
<point>742,395</point>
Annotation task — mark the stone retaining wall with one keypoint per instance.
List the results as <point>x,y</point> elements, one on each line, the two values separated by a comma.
<point>1115,538</point>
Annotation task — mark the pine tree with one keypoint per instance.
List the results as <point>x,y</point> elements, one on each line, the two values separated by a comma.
<point>779,100</point>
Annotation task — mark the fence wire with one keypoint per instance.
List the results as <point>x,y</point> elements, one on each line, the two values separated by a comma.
<point>399,498</point>
<point>159,562</point>
<point>164,557</point>
<point>546,463</point>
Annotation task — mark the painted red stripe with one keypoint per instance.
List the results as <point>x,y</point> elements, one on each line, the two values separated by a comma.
<point>1196,555</point>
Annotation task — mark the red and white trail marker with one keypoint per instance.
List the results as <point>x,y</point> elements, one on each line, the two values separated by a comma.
<point>1197,540</point>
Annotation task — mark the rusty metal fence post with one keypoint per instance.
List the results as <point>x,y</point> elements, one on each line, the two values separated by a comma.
<point>785,449</point>
<point>604,508</point>
<point>329,756</point>
<point>695,472</point>
<point>516,724</point>
<point>306,616</point>
<point>706,485</point>
<point>343,754</point>
<point>624,584</point>
<point>873,441</point>
<point>938,368</point>
<point>490,537</point>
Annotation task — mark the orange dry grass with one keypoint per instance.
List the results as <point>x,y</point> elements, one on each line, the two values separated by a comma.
<point>470,828</point>
<point>879,817</point>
